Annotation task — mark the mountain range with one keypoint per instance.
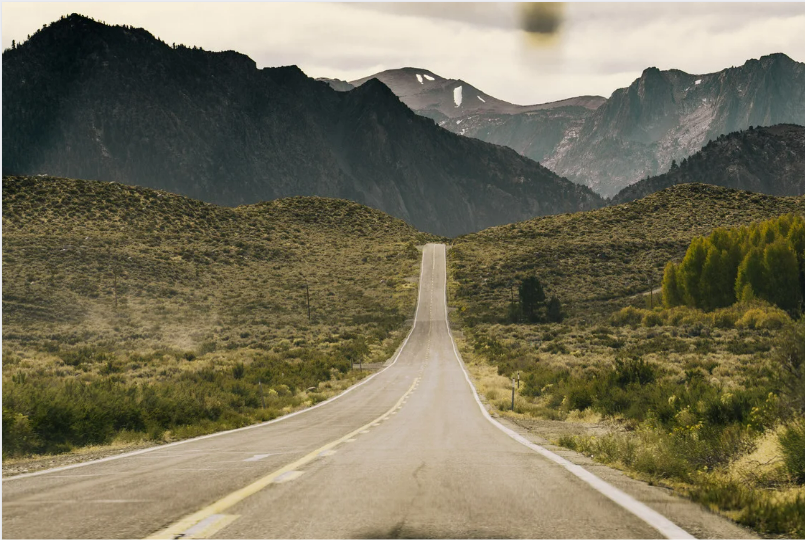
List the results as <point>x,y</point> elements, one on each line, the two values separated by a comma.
<point>767,160</point>
<point>85,100</point>
<point>608,144</point>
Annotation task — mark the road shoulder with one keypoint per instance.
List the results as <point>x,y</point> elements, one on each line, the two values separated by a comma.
<point>694,518</point>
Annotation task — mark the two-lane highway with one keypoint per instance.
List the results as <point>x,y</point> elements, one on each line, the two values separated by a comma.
<point>407,453</point>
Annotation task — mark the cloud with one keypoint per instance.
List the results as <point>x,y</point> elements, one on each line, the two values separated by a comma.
<point>595,48</point>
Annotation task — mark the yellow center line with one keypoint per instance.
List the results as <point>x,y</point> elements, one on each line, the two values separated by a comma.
<point>219,506</point>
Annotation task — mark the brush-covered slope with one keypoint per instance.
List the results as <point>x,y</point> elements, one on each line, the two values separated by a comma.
<point>131,314</point>
<point>767,160</point>
<point>669,115</point>
<point>147,268</point>
<point>595,256</point>
<point>82,99</point>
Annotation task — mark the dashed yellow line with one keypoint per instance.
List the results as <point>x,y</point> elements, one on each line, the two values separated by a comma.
<point>181,527</point>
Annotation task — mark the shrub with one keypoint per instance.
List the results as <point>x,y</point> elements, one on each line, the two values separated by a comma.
<point>792,442</point>
<point>630,315</point>
<point>633,371</point>
<point>651,319</point>
<point>554,310</point>
<point>239,370</point>
<point>763,319</point>
<point>790,358</point>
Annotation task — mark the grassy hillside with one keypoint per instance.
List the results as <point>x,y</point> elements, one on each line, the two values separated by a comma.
<point>593,259</point>
<point>700,402</point>
<point>162,313</point>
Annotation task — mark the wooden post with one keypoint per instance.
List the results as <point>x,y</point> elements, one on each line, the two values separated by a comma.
<point>512,394</point>
<point>114,285</point>
<point>307,297</point>
<point>262,396</point>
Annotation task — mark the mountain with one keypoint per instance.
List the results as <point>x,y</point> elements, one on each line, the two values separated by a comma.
<point>767,160</point>
<point>337,84</point>
<point>669,115</point>
<point>87,100</point>
<point>534,131</point>
<point>608,144</point>
<point>439,98</point>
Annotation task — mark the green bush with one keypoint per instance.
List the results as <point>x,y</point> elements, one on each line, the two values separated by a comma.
<point>792,442</point>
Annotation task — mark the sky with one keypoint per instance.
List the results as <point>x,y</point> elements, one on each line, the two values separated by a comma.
<point>522,53</point>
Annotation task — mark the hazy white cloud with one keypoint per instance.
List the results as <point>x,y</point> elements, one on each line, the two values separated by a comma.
<point>598,47</point>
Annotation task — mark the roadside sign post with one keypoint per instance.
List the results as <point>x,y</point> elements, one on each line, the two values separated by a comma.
<point>512,394</point>
<point>262,396</point>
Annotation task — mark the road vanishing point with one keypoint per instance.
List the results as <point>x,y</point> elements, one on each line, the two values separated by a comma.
<point>408,452</point>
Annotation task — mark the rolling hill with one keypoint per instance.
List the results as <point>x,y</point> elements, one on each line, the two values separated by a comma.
<point>602,255</point>
<point>140,314</point>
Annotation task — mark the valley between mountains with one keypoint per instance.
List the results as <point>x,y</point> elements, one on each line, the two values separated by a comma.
<point>243,302</point>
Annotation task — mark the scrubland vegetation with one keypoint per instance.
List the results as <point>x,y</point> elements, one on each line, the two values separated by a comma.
<point>705,398</point>
<point>135,315</point>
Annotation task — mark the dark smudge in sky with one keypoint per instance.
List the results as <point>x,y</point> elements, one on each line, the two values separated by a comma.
<point>542,18</point>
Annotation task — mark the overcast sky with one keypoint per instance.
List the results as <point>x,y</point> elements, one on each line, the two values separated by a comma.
<point>573,49</point>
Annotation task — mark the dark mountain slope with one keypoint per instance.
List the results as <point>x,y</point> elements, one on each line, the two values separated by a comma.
<point>83,99</point>
<point>767,160</point>
<point>669,115</point>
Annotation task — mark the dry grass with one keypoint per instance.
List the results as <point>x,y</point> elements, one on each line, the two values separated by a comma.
<point>108,282</point>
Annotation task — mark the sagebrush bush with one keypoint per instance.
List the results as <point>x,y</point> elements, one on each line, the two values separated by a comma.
<point>792,442</point>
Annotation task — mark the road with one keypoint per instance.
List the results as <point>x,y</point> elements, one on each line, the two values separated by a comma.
<point>410,452</point>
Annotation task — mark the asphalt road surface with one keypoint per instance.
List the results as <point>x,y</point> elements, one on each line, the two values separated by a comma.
<point>408,453</point>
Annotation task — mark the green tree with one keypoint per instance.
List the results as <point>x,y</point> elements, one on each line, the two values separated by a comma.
<point>782,274</point>
<point>532,298</point>
<point>796,237</point>
<point>690,271</point>
<point>750,281</point>
<point>717,286</point>
<point>671,291</point>
<point>554,310</point>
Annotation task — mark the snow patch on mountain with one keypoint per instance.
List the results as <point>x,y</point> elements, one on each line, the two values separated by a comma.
<point>419,78</point>
<point>482,99</point>
<point>457,97</point>
<point>428,77</point>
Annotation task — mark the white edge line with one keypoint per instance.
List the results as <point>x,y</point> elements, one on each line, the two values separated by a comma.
<point>253,426</point>
<point>665,526</point>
